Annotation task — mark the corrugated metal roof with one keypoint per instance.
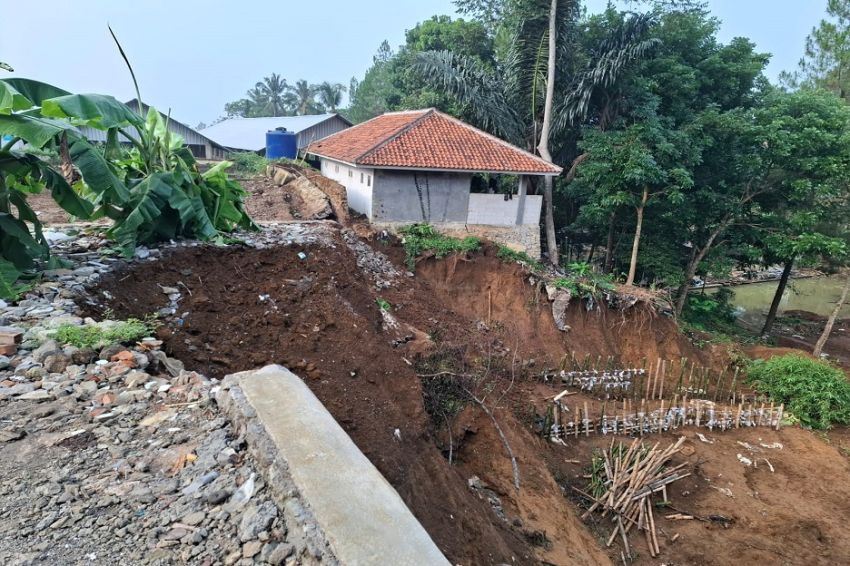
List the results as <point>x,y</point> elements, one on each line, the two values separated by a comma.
<point>249,134</point>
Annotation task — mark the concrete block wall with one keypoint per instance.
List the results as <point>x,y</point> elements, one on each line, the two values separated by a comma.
<point>495,210</point>
<point>396,196</point>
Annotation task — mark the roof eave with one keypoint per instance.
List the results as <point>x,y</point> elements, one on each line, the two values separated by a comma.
<point>437,169</point>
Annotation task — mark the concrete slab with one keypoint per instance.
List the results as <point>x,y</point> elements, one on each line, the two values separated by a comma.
<point>362,518</point>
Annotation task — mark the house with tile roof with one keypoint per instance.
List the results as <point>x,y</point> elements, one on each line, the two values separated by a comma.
<point>417,166</point>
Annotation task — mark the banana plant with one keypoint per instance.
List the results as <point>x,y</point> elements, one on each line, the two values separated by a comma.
<point>142,178</point>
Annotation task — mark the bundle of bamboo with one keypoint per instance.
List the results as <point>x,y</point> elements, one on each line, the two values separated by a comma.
<point>631,477</point>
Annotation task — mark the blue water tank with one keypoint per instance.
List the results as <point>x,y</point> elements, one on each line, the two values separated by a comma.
<point>280,143</point>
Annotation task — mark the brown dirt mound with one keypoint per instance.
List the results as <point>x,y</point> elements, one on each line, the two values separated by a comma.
<point>480,324</point>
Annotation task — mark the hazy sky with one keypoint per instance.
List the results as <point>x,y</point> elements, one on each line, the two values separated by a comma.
<point>193,56</point>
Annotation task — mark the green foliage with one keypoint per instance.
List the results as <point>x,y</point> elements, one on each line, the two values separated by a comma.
<point>826,61</point>
<point>506,254</point>
<point>150,186</point>
<point>583,282</point>
<point>248,162</point>
<point>711,313</point>
<point>273,96</point>
<point>815,391</point>
<point>421,238</point>
<point>10,287</point>
<point>102,334</point>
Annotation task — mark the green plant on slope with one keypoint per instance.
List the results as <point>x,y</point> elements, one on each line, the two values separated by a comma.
<point>815,391</point>
<point>506,254</point>
<point>421,238</point>
<point>99,335</point>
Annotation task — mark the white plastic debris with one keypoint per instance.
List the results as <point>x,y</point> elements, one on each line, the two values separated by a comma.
<point>744,460</point>
<point>244,493</point>
<point>774,445</point>
<point>702,437</point>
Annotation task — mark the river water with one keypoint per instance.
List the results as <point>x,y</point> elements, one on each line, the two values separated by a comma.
<point>817,295</point>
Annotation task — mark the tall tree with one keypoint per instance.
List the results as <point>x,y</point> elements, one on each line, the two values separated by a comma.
<point>806,141</point>
<point>271,93</point>
<point>509,99</point>
<point>632,165</point>
<point>826,63</point>
<point>819,345</point>
<point>304,98</point>
<point>376,93</point>
<point>545,130</point>
<point>330,95</point>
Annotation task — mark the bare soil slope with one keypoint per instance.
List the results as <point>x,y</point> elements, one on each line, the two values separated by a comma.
<point>483,320</point>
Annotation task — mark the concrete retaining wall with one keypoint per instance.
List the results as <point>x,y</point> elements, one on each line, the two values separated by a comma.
<point>341,508</point>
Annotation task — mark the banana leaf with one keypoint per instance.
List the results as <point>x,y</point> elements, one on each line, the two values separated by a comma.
<point>98,173</point>
<point>17,244</point>
<point>144,209</point>
<point>96,110</point>
<point>10,289</point>
<point>34,130</point>
<point>25,94</point>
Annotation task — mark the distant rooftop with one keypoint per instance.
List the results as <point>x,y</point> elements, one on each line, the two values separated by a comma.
<point>249,134</point>
<point>428,139</point>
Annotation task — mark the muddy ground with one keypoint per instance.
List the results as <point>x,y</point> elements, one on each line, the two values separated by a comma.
<point>477,327</point>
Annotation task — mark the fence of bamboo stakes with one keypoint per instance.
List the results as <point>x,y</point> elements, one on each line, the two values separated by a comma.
<point>635,402</point>
<point>648,378</point>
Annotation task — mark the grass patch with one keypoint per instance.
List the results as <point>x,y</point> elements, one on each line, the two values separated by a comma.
<point>99,335</point>
<point>506,254</point>
<point>814,391</point>
<point>421,238</point>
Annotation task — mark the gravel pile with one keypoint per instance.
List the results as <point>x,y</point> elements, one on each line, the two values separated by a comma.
<point>116,454</point>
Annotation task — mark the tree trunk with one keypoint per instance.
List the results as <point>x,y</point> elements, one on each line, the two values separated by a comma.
<point>832,318</point>
<point>693,265</point>
<point>777,298</point>
<point>609,245</point>
<point>543,146</point>
<point>636,243</point>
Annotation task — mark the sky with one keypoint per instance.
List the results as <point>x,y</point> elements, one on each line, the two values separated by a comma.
<point>193,56</point>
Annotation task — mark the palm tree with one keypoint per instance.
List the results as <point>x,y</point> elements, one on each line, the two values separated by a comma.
<point>274,90</point>
<point>513,98</point>
<point>330,95</point>
<point>256,102</point>
<point>304,98</point>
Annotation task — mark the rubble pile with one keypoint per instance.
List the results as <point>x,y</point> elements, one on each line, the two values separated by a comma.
<point>118,454</point>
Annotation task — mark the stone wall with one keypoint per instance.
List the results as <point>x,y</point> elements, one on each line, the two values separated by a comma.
<point>519,237</point>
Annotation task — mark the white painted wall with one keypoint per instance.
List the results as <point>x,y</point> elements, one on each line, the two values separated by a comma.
<point>494,210</point>
<point>358,183</point>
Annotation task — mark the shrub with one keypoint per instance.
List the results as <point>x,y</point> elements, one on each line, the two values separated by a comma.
<point>99,335</point>
<point>711,312</point>
<point>814,391</point>
<point>248,161</point>
<point>421,238</point>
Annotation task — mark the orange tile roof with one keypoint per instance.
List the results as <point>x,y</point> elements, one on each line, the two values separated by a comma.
<point>427,139</point>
